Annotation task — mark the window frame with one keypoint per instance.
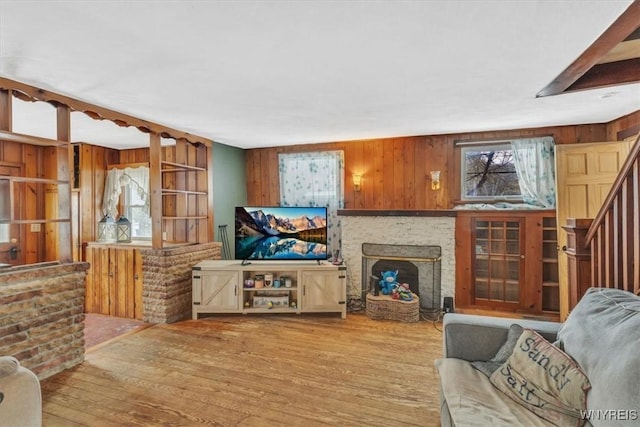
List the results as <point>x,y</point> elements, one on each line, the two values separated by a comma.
<point>127,211</point>
<point>481,146</point>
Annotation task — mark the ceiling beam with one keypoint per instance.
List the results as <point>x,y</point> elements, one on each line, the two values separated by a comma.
<point>31,93</point>
<point>625,25</point>
<point>609,74</point>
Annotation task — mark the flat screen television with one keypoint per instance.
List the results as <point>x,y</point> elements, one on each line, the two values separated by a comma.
<point>281,233</point>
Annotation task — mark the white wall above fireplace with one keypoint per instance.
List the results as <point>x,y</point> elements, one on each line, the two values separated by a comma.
<point>397,230</point>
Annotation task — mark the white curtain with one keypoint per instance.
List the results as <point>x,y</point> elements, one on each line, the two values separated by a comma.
<point>138,178</point>
<point>535,166</point>
<point>315,179</point>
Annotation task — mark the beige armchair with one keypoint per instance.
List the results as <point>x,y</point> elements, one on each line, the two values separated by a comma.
<point>20,398</point>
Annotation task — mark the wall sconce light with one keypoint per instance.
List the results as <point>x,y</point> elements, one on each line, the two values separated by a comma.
<point>435,180</point>
<point>357,181</point>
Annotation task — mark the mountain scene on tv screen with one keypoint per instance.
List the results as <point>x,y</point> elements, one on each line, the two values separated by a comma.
<point>281,233</point>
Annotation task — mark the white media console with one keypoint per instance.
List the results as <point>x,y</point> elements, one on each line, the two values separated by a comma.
<point>286,287</point>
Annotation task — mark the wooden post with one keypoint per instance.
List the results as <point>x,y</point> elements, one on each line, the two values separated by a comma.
<point>155,186</point>
<point>63,158</point>
<point>6,111</point>
<point>578,258</point>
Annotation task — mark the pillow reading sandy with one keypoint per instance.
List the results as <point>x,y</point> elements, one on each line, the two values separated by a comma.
<point>544,379</point>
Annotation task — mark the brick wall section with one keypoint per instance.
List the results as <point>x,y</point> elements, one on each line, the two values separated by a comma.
<point>41,316</point>
<point>166,293</point>
<point>397,230</point>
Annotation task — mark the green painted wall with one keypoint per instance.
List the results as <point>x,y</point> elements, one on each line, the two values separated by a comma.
<point>229,187</point>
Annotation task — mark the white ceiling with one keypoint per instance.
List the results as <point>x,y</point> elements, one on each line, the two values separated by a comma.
<point>266,73</point>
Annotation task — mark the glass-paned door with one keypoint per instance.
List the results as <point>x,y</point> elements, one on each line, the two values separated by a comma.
<point>498,260</point>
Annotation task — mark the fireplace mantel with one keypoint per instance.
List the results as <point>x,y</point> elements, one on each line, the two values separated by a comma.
<point>398,212</point>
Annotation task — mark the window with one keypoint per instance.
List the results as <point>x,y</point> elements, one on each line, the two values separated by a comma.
<point>315,179</point>
<point>489,172</point>
<point>136,212</point>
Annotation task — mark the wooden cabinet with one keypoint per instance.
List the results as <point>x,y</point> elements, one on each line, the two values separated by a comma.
<point>324,291</point>
<point>216,290</point>
<point>230,287</point>
<point>507,261</point>
<point>114,281</point>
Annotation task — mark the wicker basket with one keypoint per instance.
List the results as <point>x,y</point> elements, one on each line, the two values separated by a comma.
<point>383,307</point>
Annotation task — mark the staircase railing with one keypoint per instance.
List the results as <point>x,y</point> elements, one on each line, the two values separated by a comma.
<point>614,234</point>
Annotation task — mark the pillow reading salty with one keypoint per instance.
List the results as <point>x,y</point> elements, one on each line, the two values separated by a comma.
<point>503,353</point>
<point>544,379</point>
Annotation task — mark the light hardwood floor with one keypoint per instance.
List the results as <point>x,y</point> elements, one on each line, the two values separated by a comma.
<point>274,370</point>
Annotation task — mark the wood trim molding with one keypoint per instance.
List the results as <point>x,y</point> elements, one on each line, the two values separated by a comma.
<point>31,93</point>
<point>625,25</point>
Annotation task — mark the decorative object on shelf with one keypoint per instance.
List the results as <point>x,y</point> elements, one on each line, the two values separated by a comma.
<point>247,304</point>
<point>435,180</point>
<point>259,281</point>
<point>248,283</point>
<point>287,281</point>
<point>357,182</point>
<point>123,227</point>
<point>107,229</point>
<point>268,280</point>
<point>294,304</point>
<point>276,283</point>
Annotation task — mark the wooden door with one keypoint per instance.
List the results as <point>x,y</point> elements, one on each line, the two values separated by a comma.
<point>11,207</point>
<point>584,175</point>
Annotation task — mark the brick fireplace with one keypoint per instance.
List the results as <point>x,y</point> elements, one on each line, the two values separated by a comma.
<point>434,228</point>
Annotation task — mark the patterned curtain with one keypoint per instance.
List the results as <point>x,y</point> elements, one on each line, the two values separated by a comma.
<point>118,178</point>
<point>315,179</point>
<point>535,166</point>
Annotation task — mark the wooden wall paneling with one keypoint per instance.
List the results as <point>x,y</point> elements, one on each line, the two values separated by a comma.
<point>138,278</point>
<point>388,175</point>
<point>374,166</point>
<point>104,280</point>
<point>617,128</point>
<point>398,195</point>
<point>355,165</point>
<point>408,171</point>
<point>252,166</point>
<point>90,295</point>
<point>273,174</point>
<point>421,148</point>
<point>266,177</point>
<point>438,160</point>
<point>75,226</point>
<point>33,241</point>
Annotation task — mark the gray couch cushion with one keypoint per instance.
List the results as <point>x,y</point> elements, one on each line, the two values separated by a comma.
<point>489,367</point>
<point>602,334</point>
